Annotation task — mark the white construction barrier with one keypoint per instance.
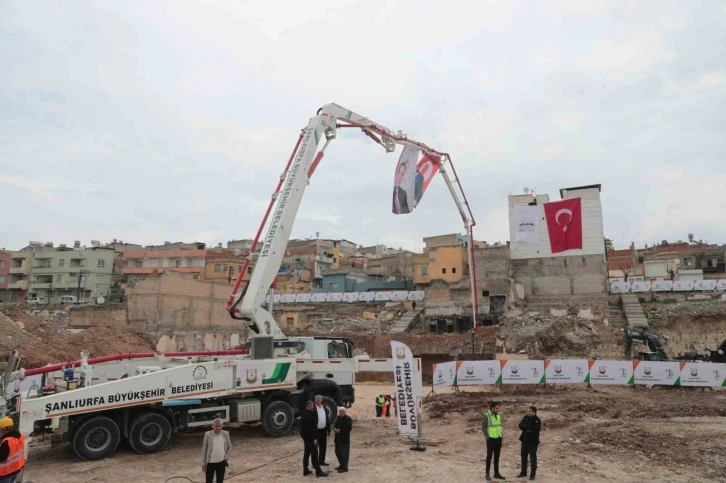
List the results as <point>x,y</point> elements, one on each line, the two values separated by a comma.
<point>579,371</point>
<point>668,286</point>
<point>349,297</point>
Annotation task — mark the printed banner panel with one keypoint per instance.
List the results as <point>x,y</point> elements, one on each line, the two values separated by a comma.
<point>382,296</point>
<point>567,371</point>
<point>721,285</point>
<point>399,296</point>
<point>703,374</point>
<point>683,285</point>
<point>705,285</point>
<point>611,372</point>
<point>523,372</point>
<point>660,373</point>
<point>319,297</point>
<point>416,295</point>
<point>288,298</point>
<point>473,373</point>
<point>619,287</point>
<point>444,374</point>
<point>640,287</point>
<point>662,286</point>
<point>303,297</point>
<point>350,297</point>
<point>407,390</point>
<point>366,296</point>
<point>334,297</point>
<point>526,222</point>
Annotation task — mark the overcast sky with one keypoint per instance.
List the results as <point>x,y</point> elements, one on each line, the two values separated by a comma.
<point>154,121</point>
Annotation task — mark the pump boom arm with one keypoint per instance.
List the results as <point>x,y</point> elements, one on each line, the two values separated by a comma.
<point>248,304</point>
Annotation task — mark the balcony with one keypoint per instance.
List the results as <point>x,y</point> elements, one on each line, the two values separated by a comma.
<point>19,270</point>
<point>39,285</point>
<point>19,285</point>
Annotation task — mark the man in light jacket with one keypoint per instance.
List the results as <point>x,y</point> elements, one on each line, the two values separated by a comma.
<point>215,452</point>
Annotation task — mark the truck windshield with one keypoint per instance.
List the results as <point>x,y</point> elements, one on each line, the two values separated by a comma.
<point>337,350</point>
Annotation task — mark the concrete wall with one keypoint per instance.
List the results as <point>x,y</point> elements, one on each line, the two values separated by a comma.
<point>561,275</point>
<point>84,317</point>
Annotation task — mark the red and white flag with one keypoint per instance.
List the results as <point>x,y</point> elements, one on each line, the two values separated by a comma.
<point>564,224</point>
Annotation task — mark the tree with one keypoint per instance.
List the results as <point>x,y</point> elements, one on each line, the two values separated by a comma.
<point>625,265</point>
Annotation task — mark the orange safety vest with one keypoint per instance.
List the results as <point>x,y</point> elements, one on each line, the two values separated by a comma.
<point>16,456</point>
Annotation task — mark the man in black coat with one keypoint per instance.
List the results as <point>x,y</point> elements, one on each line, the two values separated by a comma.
<point>530,427</point>
<point>309,434</point>
<point>343,427</point>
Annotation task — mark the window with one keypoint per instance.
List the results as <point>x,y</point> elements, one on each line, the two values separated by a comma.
<point>62,262</point>
<point>59,278</point>
<point>443,270</point>
<point>453,270</point>
<point>101,264</point>
<point>239,269</point>
<point>226,268</point>
<point>177,263</point>
<point>688,262</point>
<point>485,293</point>
<point>2,278</point>
<point>139,264</point>
<point>217,267</point>
<point>2,263</point>
<point>99,278</point>
<point>709,264</point>
<point>424,270</point>
<point>249,270</point>
<point>159,263</point>
<point>333,285</point>
<point>335,260</point>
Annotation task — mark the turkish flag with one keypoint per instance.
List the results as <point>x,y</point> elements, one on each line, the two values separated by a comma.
<point>564,224</point>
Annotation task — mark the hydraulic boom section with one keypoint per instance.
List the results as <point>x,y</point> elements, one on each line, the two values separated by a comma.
<point>247,305</point>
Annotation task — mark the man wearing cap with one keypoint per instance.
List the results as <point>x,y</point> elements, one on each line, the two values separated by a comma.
<point>12,452</point>
<point>380,401</point>
<point>343,427</point>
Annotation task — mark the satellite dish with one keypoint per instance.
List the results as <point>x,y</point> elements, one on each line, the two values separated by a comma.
<point>100,300</point>
<point>526,191</point>
<point>690,237</point>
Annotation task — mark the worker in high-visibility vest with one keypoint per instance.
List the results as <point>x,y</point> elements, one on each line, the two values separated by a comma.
<point>12,451</point>
<point>492,427</point>
<point>380,401</point>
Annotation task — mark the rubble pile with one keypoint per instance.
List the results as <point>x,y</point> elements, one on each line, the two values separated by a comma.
<point>549,336</point>
<point>660,312</point>
<point>46,341</point>
<point>380,324</point>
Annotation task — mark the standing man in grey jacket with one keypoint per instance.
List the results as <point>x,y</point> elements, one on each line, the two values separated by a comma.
<point>215,452</point>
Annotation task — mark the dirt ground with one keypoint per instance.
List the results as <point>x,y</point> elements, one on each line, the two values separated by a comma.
<point>604,435</point>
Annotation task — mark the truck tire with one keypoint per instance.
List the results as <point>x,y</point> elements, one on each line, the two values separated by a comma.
<point>96,438</point>
<point>278,418</point>
<point>150,432</point>
<point>331,409</point>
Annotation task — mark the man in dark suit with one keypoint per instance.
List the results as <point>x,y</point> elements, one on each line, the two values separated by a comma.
<point>309,434</point>
<point>343,427</point>
<point>530,426</point>
<point>400,198</point>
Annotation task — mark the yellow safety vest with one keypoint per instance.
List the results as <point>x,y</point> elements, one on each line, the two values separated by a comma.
<point>494,425</point>
<point>380,401</point>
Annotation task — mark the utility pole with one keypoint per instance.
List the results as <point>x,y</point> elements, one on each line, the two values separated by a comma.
<point>78,290</point>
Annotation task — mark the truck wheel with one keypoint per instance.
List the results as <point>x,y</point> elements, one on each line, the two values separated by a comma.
<point>96,438</point>
<point>150,432</point>
<point>331,409</point>
<point>278,418</point>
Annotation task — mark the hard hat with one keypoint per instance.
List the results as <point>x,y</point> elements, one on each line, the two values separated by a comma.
<point>6,423</point>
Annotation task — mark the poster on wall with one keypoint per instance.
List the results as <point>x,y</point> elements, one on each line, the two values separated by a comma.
<point>523,372</point>
<point>567,371</point>
<point>526,224</point>
<point>350,297</point>
<point>611,372</point>
<point>703,374</point>
<point>660,373</point>
<point>721,286</point>
<point>303,297</point>
<point>444,374</point>
<point>473,373</point>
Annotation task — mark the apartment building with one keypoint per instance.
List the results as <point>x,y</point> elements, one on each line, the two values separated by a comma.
<point>5,259</point>
<point>85,273</point>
